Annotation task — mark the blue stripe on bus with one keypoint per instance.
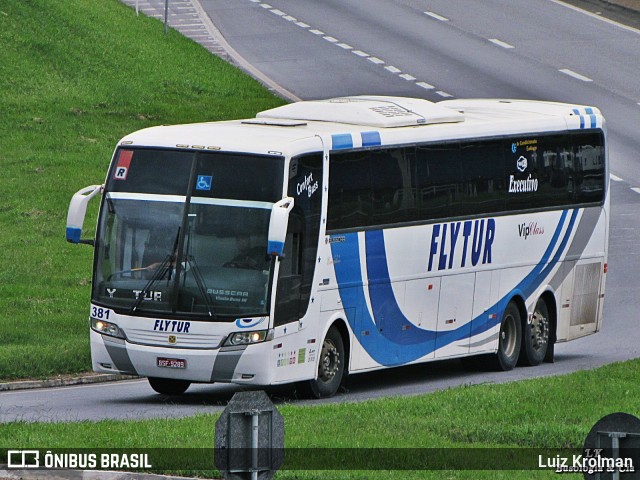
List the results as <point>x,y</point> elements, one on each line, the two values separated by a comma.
<point>386,341</point>
<point>383,300</point>
<point>577,112</point>
<point>341,140</point>
<point>275,248</point>
<point>74,234</point>
<point>593,119</point>
<point>379,340</point>
<point>370,139</point>
<point>592,116</point>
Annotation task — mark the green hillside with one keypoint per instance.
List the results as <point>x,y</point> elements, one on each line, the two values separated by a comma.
<point>76,76</point>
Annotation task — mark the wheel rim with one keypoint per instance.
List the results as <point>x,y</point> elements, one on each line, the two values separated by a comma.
<point>508,335</point>
<point>329,361</point>
<point>539,330</point>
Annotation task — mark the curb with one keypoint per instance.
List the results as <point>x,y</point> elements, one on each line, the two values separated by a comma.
<point>62,382</point>
<point>625,13</point>
<point>214,41</point>
<point>622,4</point>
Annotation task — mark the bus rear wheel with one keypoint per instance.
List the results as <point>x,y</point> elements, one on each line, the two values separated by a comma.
<point>510,338</point>
<point>535,337</point>
<point>330,366</point>
<point>169,386</point>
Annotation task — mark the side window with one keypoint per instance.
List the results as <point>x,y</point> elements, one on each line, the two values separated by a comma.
<point>393,181</point>
<point>482,186</point>
<point>539,172</point>
<point>372,187</point>
<point>301,244</point>
<point>350,195</point>
<point>554,170</point>
<point>397,185</point>
<point>437,178</point>
<point>589,154</point>
<point>288,295</point>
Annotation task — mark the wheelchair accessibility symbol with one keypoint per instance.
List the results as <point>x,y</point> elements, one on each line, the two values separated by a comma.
<point>204,182</point>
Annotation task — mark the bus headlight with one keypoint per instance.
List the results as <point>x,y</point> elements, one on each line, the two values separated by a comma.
<point>248,338</point>
<point>107,328</point>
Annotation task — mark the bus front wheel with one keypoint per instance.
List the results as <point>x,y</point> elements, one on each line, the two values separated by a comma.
<point>330,366</point>
<point>510,338</point>
<point>168,386</point>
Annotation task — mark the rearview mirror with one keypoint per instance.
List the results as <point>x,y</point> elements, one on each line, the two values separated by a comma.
<point>278,226</point>
<point>77,212</point>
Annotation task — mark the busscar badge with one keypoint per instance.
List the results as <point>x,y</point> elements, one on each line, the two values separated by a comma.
<point>173,339</point>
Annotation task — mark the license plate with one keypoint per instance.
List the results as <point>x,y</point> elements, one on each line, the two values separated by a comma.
<point>171,362</point>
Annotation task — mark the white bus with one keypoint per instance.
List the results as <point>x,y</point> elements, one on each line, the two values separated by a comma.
<point>326,238</point>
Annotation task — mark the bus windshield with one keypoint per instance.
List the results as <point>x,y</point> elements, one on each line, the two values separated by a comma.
<point>172,242</point>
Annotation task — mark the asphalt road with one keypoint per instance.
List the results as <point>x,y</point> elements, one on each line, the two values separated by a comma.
<point>434,49</point>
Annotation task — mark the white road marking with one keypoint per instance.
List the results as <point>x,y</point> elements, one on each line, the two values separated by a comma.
<point>636,189</point>
<point>500,43</point>
<point>615,178</point>
<point>576,75</point>
<point>437,17</point>
<point>362,54</point>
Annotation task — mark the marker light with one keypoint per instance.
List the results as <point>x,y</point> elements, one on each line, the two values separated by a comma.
<point>106,328</point>
<point>248,338</point>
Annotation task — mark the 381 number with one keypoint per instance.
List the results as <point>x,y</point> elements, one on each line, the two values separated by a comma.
<point>100,313</point>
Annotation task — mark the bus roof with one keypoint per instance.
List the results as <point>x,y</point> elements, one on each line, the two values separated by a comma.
<point>353,122</point>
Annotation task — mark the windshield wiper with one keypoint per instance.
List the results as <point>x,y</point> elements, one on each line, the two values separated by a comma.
<point>165,268</point>
<point>191,261</point>
<point>161,271</point>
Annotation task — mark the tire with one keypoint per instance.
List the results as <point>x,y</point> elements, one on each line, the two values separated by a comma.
<point>330,366</point>
<point>167,386</point>
<point>535,336</point>
<point>509,338</point>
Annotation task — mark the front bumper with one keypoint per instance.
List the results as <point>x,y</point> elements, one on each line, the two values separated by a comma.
<point>242,364</point>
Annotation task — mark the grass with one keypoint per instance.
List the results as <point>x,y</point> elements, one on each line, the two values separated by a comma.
<point>75,77</point>
<point>548,413</point>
